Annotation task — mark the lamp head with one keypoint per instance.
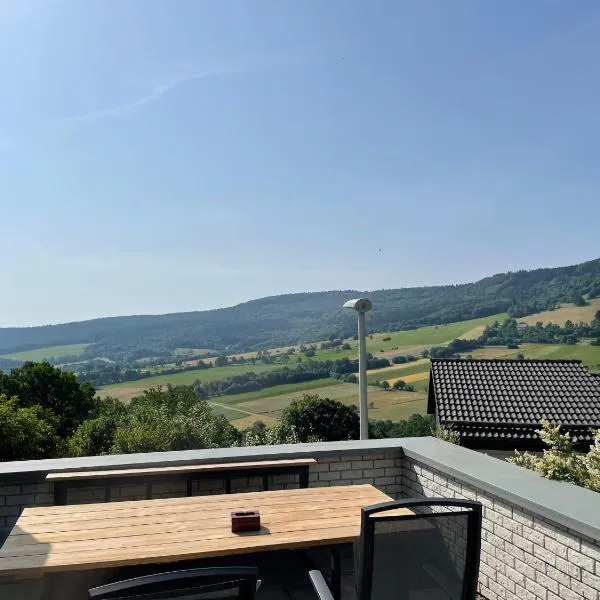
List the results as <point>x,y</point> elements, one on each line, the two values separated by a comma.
<point>360,305</point>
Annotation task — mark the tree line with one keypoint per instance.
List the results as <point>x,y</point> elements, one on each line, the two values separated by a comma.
<point>45,412</point>
<point>510,333</point>
<point>307,370</point>
<point>301,318</point>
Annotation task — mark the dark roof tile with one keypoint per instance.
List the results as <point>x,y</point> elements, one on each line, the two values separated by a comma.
<point>507,399</point>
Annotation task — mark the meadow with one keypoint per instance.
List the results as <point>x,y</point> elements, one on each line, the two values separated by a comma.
<point>47,353</point>
<point>128,389</point>
<point>266,405</point>
<point>382,404</point>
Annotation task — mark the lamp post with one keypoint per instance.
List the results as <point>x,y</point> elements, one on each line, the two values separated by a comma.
<point>362,306</point>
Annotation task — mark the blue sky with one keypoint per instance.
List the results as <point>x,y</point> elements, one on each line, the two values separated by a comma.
<point>183,155</point>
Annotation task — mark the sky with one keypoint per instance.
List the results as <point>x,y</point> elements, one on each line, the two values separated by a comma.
<point>165,156</point>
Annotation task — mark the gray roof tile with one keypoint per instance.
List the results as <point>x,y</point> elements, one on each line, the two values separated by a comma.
<point>505,400</point>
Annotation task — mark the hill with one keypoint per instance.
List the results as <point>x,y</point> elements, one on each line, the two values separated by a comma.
<point>294,318</point>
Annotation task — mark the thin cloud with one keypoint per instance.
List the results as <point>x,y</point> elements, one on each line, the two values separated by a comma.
<point>130,107</point>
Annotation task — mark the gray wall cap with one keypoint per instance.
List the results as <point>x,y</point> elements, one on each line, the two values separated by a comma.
<point>213,455</point>
<point>565,504</point>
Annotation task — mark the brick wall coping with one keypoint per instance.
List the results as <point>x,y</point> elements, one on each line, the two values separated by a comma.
<point>185,457</point>
<point>562,503</point>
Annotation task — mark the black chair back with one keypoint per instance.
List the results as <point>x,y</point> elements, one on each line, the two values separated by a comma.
<point>432,553</point>
<point>221,583</point>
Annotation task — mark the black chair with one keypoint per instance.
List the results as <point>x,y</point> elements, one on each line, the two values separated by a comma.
<point>430,554</point>
<point>227,583</point>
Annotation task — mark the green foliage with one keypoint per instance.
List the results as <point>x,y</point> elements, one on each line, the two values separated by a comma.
<point>561,462</point>
<point>415,426</point>
<point>327,420</point>
<point>26,432</point>
<point>509,333</point>
<point>448,434</point>
<point>96,436</point>
<point>41,384</point>
<point>171,419</point>
<point>261,435</point>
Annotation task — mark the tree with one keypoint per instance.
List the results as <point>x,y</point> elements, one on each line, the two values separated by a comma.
<point>26,433</point>
<point>96,436</point>
<point>172,419</point>
<point>221,361</point>
<point>323,418</point>
<point>385,384</point>
<point>399,384</point>
<point>41,384</point>
<point>416,425</point>
<point>579,300</point>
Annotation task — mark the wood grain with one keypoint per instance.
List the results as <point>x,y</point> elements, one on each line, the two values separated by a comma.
<point>78,475</point>
<point>66,538</point>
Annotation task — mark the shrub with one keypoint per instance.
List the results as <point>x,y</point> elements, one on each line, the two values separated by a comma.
<point>561,462</point>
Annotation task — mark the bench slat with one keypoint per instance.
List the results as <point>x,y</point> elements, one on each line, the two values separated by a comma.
<point>274,464</point>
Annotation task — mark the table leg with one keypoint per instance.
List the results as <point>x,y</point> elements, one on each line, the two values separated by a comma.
<point>336,572</point>
<point>303,477</point>
<point>60,494</point>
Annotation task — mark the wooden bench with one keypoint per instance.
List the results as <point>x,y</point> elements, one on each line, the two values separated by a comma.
<point>77,479</point>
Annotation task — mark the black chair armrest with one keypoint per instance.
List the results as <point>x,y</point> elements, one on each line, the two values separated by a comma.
<point>320,585</point>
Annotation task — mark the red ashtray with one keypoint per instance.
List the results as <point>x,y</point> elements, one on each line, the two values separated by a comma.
<point>245,520</point>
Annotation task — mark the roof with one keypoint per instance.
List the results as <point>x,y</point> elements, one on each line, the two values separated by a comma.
<point>499,404</point>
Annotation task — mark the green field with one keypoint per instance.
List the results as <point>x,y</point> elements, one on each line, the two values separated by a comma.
<point>49,352</point>
<point>128,389</point>
<point>383,405</point>
<point>278,390</point>
<point>413,341</point>
<point>397,371</point>
<point>588,355</point>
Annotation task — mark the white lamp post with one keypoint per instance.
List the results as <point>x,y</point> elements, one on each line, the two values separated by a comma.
<point>361,306</point>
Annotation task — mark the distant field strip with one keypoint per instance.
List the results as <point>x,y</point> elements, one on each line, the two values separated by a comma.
<point>48,352</point>
<point>391,404</point>
<point>128,389</point>
<point>566,312</point>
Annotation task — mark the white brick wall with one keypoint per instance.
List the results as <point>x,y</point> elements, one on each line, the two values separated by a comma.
<point>523,556</point>
<point>384,471</point>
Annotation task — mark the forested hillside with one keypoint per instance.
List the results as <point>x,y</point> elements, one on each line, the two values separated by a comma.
<point>295,318</point>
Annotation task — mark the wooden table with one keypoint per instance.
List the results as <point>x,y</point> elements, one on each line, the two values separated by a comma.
<point>97,536</point>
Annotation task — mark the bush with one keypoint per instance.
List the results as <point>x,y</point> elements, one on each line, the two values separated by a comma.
<point>561,462</point>
<point>322,418</point>
<point>26,433</point>
<point>172,419</point>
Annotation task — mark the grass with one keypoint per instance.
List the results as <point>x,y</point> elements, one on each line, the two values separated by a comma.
<point>128,389</point>
<point>277,390</point>
<point>398,371</point>
<point>413,341</point>
<point>384,405</point>
<point>49,352</point>
<point>588,355</point>
<point>575,314</point>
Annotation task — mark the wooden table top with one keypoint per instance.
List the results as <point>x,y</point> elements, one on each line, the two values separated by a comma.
<point>92,536</point>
